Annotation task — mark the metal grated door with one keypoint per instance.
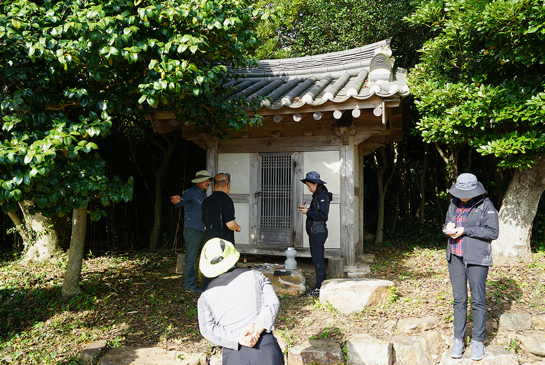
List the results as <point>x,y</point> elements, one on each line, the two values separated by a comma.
<point>275,199</point>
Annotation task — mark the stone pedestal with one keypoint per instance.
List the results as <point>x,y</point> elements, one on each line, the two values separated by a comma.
<point>293,284</point>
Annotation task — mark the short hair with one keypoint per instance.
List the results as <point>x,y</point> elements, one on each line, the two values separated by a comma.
<point>221,180</point>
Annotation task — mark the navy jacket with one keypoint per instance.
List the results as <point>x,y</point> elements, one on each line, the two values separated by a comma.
<point>481,227</point>
<point>318,213</point>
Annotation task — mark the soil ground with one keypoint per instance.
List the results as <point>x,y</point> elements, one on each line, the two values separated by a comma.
<point>139,300</point>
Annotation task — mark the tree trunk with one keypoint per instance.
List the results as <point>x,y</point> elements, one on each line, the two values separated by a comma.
<point>48,237</point>
<point>436,189</point>
<point>423,186</point>
<point>517,213</point>
<point>159,176</point>
<point>19,225</point>
<point>382,162</point>
<point>70,284</point>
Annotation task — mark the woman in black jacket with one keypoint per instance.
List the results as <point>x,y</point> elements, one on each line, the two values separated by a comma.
<point>471,224</point>
<point>316,227</point>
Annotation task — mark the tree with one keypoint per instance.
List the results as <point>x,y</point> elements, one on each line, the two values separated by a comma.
<point>480,81</point>
<point>70,69</point>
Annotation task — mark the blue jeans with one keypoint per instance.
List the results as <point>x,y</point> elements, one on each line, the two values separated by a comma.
<point>317,250</point>
<point>193,239</point>
<point>459,276</point>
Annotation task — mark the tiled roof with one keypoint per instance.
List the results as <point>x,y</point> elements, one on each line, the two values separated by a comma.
<point>313,80</point>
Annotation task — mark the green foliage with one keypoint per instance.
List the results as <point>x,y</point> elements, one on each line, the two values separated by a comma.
<point>70,69</point>
<point>303,27</point>
<point>480,80</point>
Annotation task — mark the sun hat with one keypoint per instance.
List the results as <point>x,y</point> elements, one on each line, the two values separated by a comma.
<point>314,177</point>
<point>217,257</point>
<point>467,186</point>
<point>201,176</point>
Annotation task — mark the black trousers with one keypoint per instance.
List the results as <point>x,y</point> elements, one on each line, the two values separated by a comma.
<point>317,250</point>
<point>265,352</point>
<point>459,276</point>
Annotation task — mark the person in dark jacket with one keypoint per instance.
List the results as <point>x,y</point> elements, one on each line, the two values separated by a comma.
<point>316,227</point>
<point>471,224</point>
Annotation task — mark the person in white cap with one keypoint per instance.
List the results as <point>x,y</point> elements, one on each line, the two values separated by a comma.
<point>191,200</point>
<point>238,308</point>
<point>471,224</point>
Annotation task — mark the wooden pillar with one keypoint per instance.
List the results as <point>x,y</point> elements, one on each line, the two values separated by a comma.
<point>360,248</point>
<point>212,163</point>
<point>254,188</point>
<point>298,191</point>
<point>348,248</point>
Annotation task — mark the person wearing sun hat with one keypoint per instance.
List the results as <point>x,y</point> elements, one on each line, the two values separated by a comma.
<point>238,308</point>
<point>317,214</point>
<point>191,200</point>
<point>471,224</point>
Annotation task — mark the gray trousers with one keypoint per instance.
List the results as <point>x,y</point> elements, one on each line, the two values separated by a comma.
<point>265,352</point>
<point>459,276</point>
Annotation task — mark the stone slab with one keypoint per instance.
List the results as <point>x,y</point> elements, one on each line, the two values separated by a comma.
<point>323,352</point>
<point>90,354</point>
<point>128,355</point>
<point>365,349</point>
<point>514,321</point>
<point>413,324</point>
<point>493,355</point>
<point>533,342</point>
<point>293,284</point>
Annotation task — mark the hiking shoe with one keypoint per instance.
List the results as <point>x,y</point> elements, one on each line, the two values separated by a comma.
<point>457,349</point>
<point>477,350</point>
<point>314,293</point>
<point>195,290</point>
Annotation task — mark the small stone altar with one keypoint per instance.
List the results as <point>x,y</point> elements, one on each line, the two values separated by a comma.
<point>293,284</point>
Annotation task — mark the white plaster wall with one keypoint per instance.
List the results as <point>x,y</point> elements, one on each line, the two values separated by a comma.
<point>241,216</point>
<point>238,165</point>
<point>328,165</point>
<point>333,228</point>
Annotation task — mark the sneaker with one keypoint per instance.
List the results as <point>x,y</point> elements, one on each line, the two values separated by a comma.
<point>457,349</point>
<point>195,290</point>
<point>477,350</point>
<point>314,293</point>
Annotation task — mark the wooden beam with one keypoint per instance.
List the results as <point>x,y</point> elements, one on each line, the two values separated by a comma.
<point>288,144</point>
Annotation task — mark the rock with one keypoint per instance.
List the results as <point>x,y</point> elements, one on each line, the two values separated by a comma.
<point>413,324</point>
<point>358,271</point>
<point>493,355</point>
<point>539,321</point>
<point>150,355</point>
<point>533,342</point>
<point>411,350</point>
<point>364,349</point>
<point>216,359</point>
<point>514,321</point>
<point>366,258</point>
<point>90,354</point>
<point>323,352</point>
<point>293,284</point>
<point>353,295</point>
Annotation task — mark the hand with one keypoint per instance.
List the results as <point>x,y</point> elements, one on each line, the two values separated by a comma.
<point>248,336</point>
<point>175,199</point>
<point>450,225</point>
<point>303,209</point>
<point>239,228</point>
<point>459,232</point>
